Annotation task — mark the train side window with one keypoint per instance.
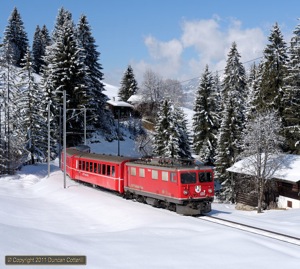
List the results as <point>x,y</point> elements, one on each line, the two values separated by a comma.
<point>165,176</point>
<point>205,177</point>
<point>83,165</point>
<point>113,173</point>
<point>103,169</point>
<point>95,167</point>
<point>108,170</point>
<point>154,174</point>
<point>142,172</point>
<point>99,168</point>
<point>87,165</point>
<point>91,167</point>
<point>173,177</point>
<point>80,165</point>
<point>133,171</point>
<point>188,178</point>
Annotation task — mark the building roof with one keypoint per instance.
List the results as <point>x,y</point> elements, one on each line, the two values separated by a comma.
<point>117,103</point>
<point>135,99</point>
<point>288,171</point>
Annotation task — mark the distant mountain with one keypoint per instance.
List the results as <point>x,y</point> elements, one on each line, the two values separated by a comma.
<point>189,89</point>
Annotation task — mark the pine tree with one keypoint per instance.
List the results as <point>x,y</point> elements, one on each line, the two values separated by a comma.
<point>31,106</point>
<point>41,40</point>
<point>291,97</point>
<point>232,124</point>
<point>205,119</point>
<point>65,71</point>
<point>129,85</point>
<point>3,90</point>
<point>216,96</point>
<point>62,16</point>
<point>184,138</point>
<point>273,72</point>
<point>12,134</point>
<point>254,81</point>
<point>97,115</point>
<point>15,38</point>
<point>166,140</point>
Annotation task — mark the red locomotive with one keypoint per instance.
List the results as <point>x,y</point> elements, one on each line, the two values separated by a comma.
<point>177,185</point>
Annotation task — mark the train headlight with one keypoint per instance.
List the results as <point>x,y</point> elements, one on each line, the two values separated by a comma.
<point>210,191</point>
<point>185,192</point>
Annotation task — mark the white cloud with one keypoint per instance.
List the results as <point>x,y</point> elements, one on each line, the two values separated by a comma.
<point>201,42</point>
<point>171,50</point>
<point>205,36</point>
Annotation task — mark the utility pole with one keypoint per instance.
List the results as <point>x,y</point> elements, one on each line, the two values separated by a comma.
<point>48,139</point>
<point>119,132</point>
<point>65,135</point>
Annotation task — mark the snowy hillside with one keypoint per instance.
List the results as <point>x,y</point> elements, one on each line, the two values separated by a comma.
<point>39,217</point>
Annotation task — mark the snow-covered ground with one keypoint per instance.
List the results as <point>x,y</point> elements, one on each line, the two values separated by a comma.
<point>40,217</point>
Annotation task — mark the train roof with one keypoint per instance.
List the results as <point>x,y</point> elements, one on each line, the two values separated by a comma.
<point>99,157</point>
<point>168,164</point>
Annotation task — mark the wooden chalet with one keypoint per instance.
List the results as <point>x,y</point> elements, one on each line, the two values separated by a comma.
<point>120,109</point>
<point>286,179</point>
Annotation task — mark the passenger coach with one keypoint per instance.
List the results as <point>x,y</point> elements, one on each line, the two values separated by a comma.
<point>102,170</point>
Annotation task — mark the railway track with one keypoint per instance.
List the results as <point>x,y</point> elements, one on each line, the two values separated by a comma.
<point>255,230</point>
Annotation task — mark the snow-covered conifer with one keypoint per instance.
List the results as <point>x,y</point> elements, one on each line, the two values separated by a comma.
<point>291,97</point>
<point>166,139</point>
<point>11,129</point>
<point>34,118</point>
<point>205,119</point>
<point>41,40</point>
<point>15,38</point>
<point>233,114</point>
<point>65,71</point>
<point>97,116</point>
<point>273,72</point>
<point>184,137</point>
<point>129,85</point>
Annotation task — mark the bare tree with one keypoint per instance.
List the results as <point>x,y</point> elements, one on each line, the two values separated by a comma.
<point>261,149</point>
<point>172,89</point>
<point>154,89</point>
<point>152,86</point>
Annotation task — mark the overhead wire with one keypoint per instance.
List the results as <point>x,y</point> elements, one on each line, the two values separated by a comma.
<point>217,71</point>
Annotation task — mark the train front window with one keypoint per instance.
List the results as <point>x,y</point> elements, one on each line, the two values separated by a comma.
<point>188,178</point>
<point>205,177</point>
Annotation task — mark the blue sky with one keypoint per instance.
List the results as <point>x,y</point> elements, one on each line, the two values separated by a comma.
<point>175,38</point>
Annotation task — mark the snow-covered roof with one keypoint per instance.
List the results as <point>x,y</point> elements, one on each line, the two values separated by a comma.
<point>289,170</point>
<point>119,103</point>
<point>135,98</point>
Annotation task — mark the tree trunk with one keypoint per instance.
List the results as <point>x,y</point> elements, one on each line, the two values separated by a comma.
<point>260,196</point>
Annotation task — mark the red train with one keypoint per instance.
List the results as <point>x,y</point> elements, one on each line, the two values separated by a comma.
<point>177,185</point>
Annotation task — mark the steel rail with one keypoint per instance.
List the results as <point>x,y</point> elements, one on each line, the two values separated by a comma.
<point>252,229</point>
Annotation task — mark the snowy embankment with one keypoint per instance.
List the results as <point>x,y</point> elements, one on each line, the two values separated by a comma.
<point>39,217</point>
